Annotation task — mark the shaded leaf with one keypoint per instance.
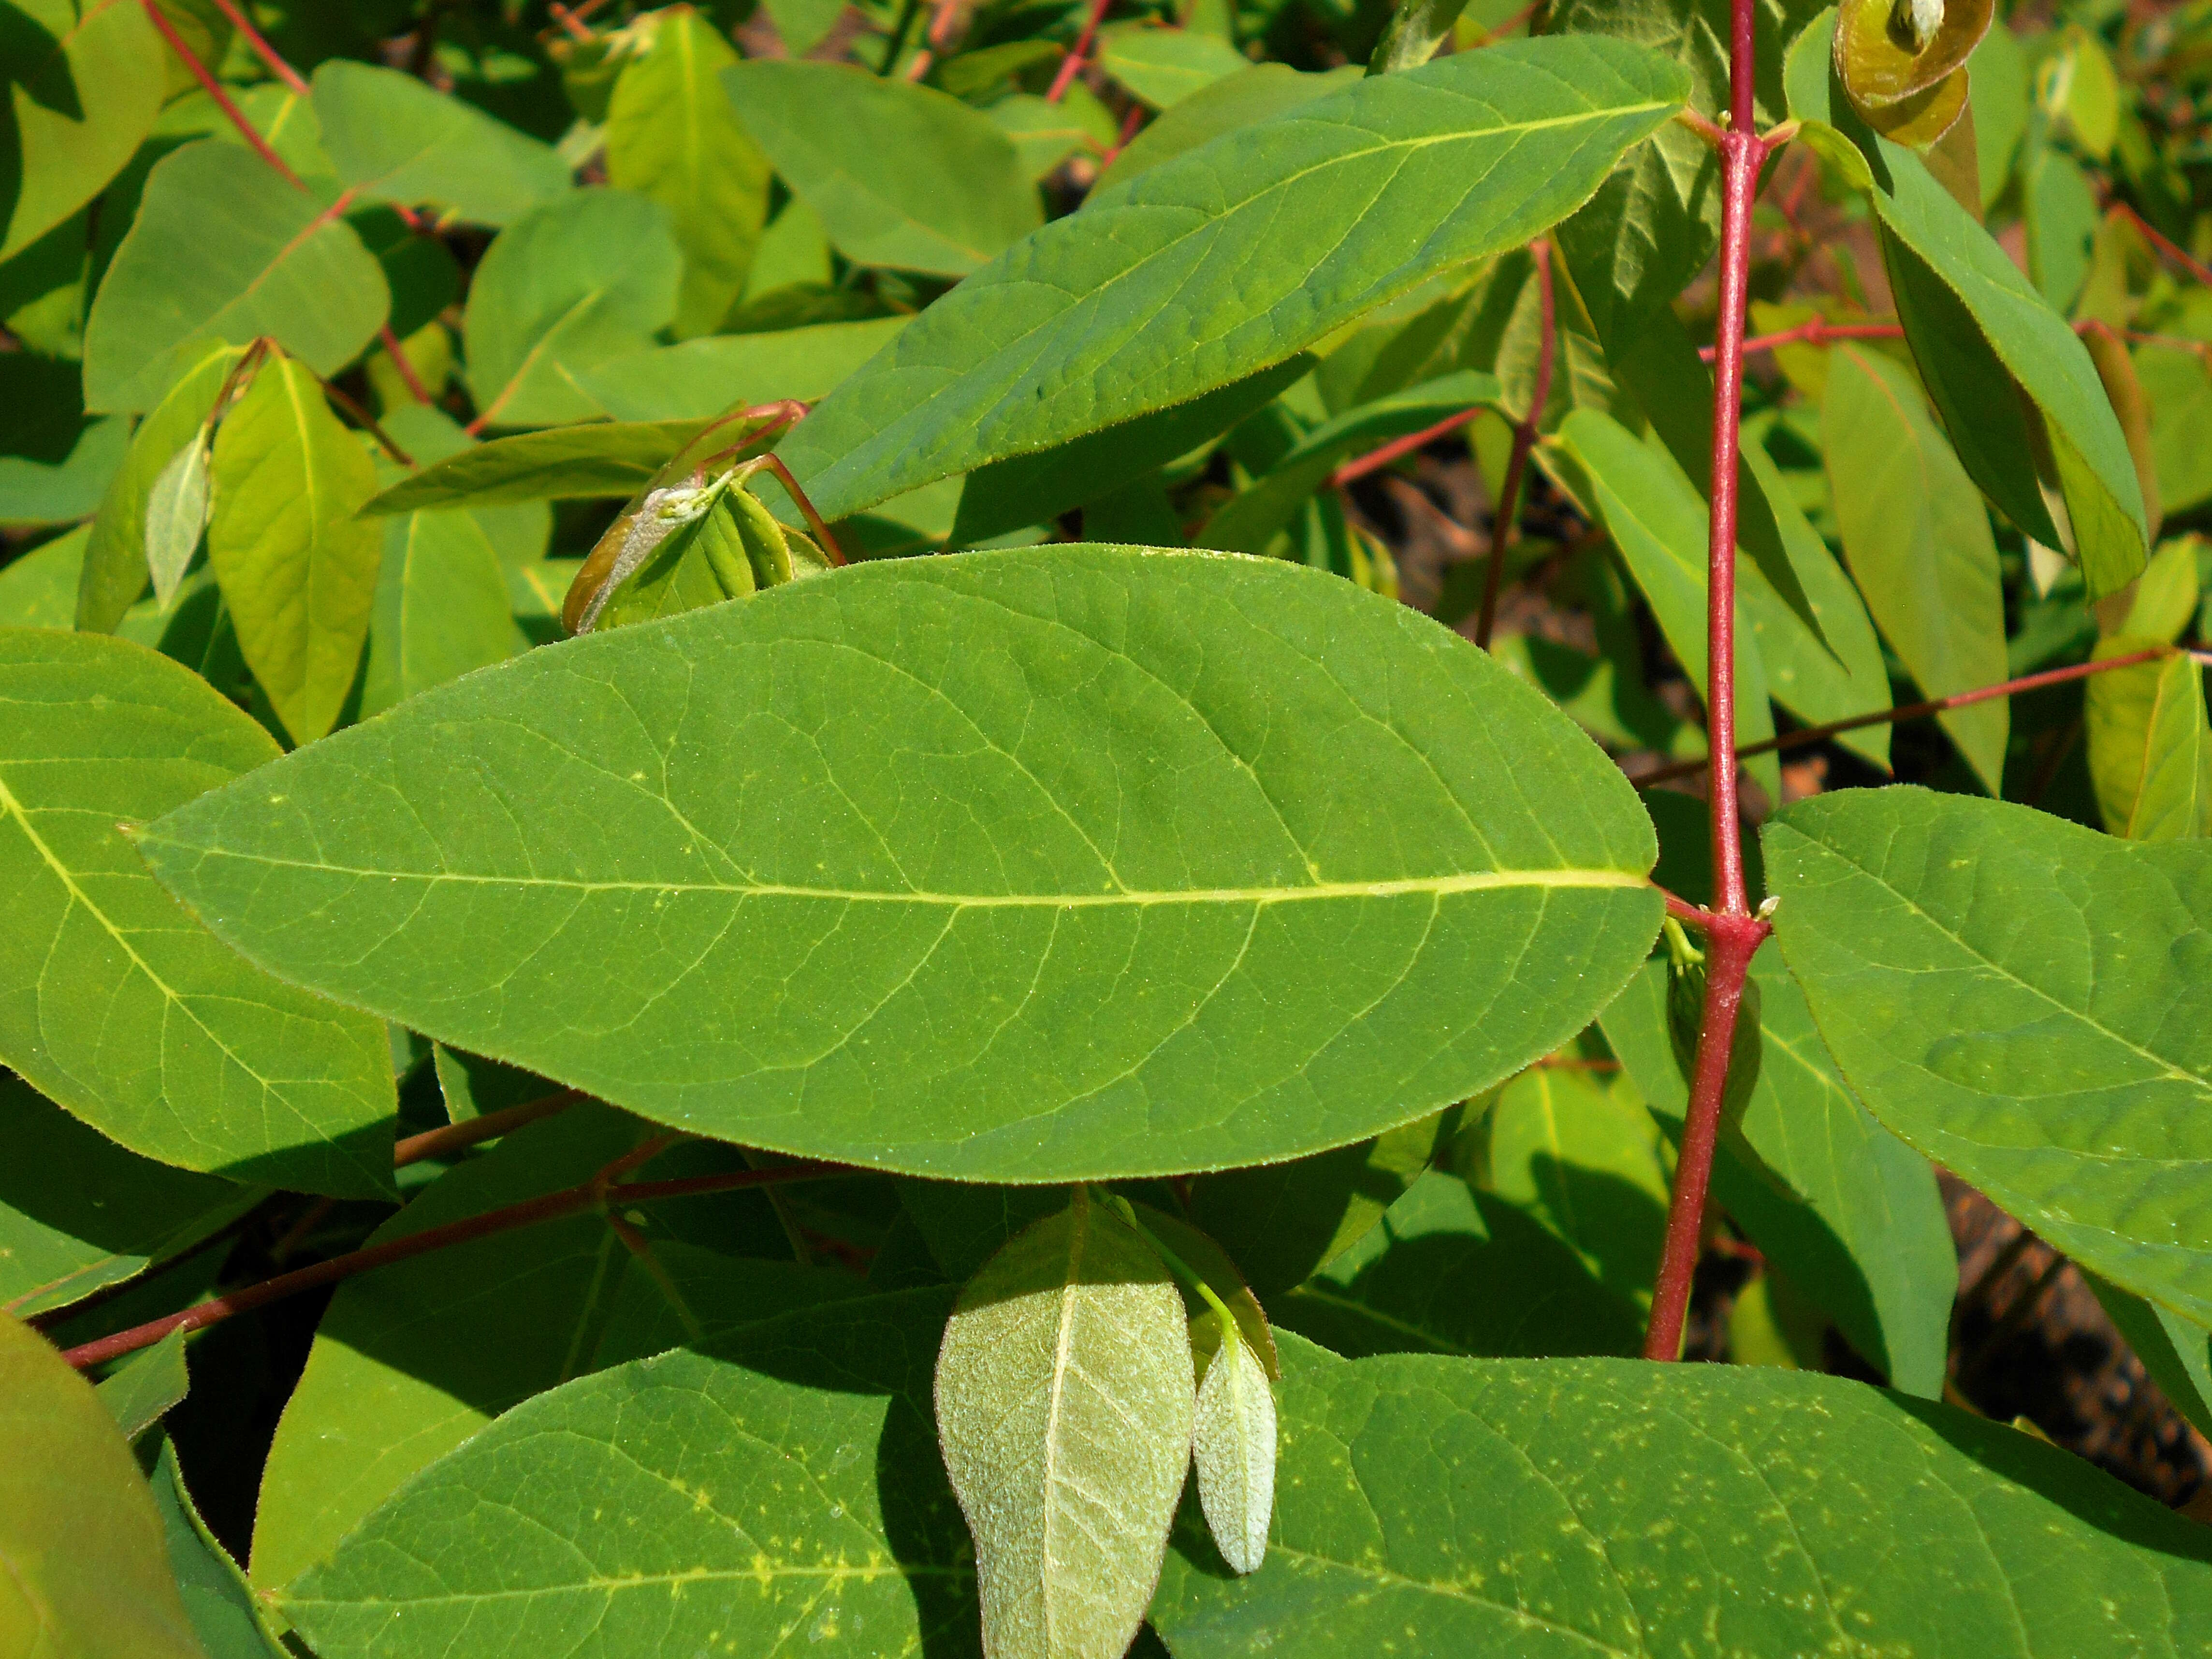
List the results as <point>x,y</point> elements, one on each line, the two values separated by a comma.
<point>1064,1409</point>
<point>2178,384</point>
<point>573,282</point>
<point>597,460</point>
<point>84,82</point>
<point>1200,906</point>
<point>222,247</point>
<point>142,1389</point>
<point>1164,66</point>
<point>1450,1506</point>
<point>872,157</point>
<point>117,1004</point>
<point>393,139</point>
<point>2024,1000</point>
<point>298,569</point>
<point>2150,748</point>
<point>2177,1352</point>
<point>518,529</point>
<point>88,1573</point>
<point>222,1610</point>
<point>1917,538</point>
<point>1013,361</point>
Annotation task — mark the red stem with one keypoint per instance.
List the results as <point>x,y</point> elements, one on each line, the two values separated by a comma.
<point>548,1206</point>
<point>2179,256</point>
<point>1376,460</point>
<point>1505,524</point>
<point>397,353</point>
<point>1912,711</point>
<point>1130,123</point>
<point>1732,934</point>
<point>775,464</point>
<point>267,53</point>
<point>1815,333</point>
<point>212,88</point>
<point>454,1137</point>
<point>1073,63</point>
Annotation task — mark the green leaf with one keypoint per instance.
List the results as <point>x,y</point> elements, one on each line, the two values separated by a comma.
<point>84,83</point>
<point>145,1385</point>
<point>673,136</point>
<point>224,1614</point>
<point>785,1482</point>
<point>946,994</point>
<point>2178,384</point>
<point>1064,1409</point>
<point>87,1570</point>
<point>1919,541</point>
<point>1233,1449</point>
<point>298,569</point>
<point>1259,92</point>
<point>117,1006</point>
<point>1659,524</point>
<point>1974,322</point>
<point>1543,1241</point>
<point>2150,745</point>
<point>901,175</point>
<point>1014,360</point>
<point>518,531</point>
<point>1033,489</point>
<point>575,280</point>
<point>1164,66</point>
<point>2060,216</point>
<point>599,461</point>
<point>701,378</point>
<point>2176,1353</point>
<point>176,515</point>
<point>393,139</point>
<point>78,1212</point>
<point>1447,1506</point>
<point>114,571</point>
<point>38,589</point>
<point>1848,1212</point>
<point>441,608</point>
<point>223,248</point>
<point>2027,1002</point>
<point>414,1359</point>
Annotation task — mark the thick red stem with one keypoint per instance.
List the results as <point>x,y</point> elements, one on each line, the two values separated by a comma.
<point>212,88</point>
<point>1505,524</point>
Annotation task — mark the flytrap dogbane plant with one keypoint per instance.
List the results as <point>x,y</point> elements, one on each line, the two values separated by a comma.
<point>860,1047</point>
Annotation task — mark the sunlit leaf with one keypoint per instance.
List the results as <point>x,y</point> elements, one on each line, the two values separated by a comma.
<point>84,84</point>
<point>393,139</point>
<point>1233,1449</point>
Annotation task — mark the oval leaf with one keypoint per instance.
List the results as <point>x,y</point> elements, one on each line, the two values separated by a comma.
<point>1016,866</point>
<point>84,86</point>
<point>1064,1409</point>
<point>1233,1446</point>
<point>1087,323</point>
<point>393,139</point>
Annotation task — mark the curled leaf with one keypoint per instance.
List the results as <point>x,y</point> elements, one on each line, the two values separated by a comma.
<point>1924,117</point>
<point>1233,1444</point>
<point>1886,50</point>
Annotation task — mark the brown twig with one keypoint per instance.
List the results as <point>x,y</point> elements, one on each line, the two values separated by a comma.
<point>454,1137</point>
<point>1505,523</point>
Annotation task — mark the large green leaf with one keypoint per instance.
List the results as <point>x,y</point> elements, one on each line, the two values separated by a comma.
<point>673,136</point>
<point>416,1357</point>
<point>1021,865</point>
<point>783,1487</point>
<point>78,1212</point>
<point>393,139</point>
<point>597,460</point>
<point>84,83</point>
<point>1064,1408</point>
<point>1428,1505</point>
<point>701,378</point>
<point>84,1572</point>
<point>1975,322</point>
<point>575,280</point>
<point>1849,1213</point>
<point>1661,526</point>
<point>298,569</point>
<point>115,1004</point>
<point>1085,324</point>
<point>1919,540</point>
<point>901,175</point>
<point>224,248</point>
<point>1254,94</point>
<point>2027,1001</point>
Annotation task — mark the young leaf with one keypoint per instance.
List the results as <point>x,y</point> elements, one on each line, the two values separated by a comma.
<point>120,1007</point>
<point>393,139</point>
<point>78,1213</point>
<point>1931,932</point>
<point>223,248</point>
<point>574,463</point>
<point>941,992</point>
<point>785,1483</point>
<point>575,280</point>
<point>901,175</point>
<point>1919,540</point>
<point>298,569</point>
<point>673,136</point>
<point>85,83</point>
<point>702,377</point>
<point>1432,1506</point>
<point>2150,746</point>
<point>176,515</point>
<point>1013,359</point>
<point>87,1572</point>
<point>1064,1409</point>
<point>115,562</point>
<point>146,1385</point>
<point>1233,1448</point>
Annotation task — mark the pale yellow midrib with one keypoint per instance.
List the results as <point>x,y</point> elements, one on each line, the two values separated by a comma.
<point>1431,886</point>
